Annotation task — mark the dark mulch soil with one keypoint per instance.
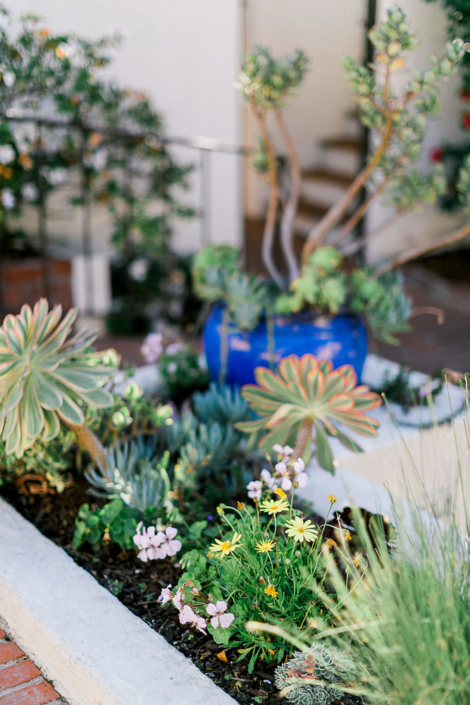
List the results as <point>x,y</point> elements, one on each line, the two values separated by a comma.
<point>138,585</point>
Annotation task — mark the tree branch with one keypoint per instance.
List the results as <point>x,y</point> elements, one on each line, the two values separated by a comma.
<point>336,212</point>
<point>423,250</point>
<point>291,204</point>
<point>268,237</point>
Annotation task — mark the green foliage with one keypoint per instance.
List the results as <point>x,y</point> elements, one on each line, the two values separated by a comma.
<point>132,474</point>
<point>312,677</point>
<point>50,462</point>
<point>383,303</point>
<point>408,191</point>
<point>218,277</point>
<point>181,373</point>
<point>211,266</point>
<point>44,379</point>
<point>322,285</point>
<point>114,523</point>
<point>269,81</point>
<point>399,389</point>
<point>413,608</point>
<point>400,114</point>
<point>223,404</point>
<point>258,569</point>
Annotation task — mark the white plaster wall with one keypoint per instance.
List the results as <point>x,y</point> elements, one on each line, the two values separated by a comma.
<point>185,55</point>
<point>430,24</point>
<point>326,30</point>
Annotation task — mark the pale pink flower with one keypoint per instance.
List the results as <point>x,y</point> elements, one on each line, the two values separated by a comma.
<point>286,484</point>
<point>188,616</point>
<point>254,489</point>
<point>281,468</point>
<point>167,543</point>
<point>148,544</point>
<point>301,476</point>
<point>152,347</point>
<point>268,479</point>
<point>178,599</point>
<point>282,450</point>
<point>299,466</point>
<point>219,615</point>
<point>166,595</point>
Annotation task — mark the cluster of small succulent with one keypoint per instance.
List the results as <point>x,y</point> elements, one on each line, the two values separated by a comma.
<point>324,286</point>
<point>317,676</point>
<point>218,277</point>
<point>269,80</point>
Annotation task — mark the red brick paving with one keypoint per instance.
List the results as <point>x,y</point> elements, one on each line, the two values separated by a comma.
<point>21,682</point>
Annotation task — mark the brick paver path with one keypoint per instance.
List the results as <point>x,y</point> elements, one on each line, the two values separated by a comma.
<point>21,682</point>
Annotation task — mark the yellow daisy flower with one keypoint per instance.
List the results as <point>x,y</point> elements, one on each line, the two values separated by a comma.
<point>280,493</point>
<point>301,530</point>
<point>274,506</point>
<point>265,546</point>
<point>332,498</point>
<point>271,591</point>
<point>226,547</point>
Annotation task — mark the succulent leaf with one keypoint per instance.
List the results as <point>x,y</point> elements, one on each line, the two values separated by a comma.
<point>307,391</point>
<point>43,378</point>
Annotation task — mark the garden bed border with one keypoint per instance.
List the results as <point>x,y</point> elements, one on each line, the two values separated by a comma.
<point>81,636</point>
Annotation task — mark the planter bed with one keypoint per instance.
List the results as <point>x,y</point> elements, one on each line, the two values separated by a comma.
<point>137,586</point>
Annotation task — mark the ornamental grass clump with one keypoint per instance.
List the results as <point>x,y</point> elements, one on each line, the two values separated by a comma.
<point>46,380</point>
<point>303,395</point>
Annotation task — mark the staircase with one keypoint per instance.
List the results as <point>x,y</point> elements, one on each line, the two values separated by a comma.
<point>324,184</point>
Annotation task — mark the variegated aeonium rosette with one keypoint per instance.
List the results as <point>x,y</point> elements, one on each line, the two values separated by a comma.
<point>305,394</point>
<point>46,380</point>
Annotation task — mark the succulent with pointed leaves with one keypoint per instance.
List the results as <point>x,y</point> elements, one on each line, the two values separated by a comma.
<point>305,394</point>
<point>317,677</point>
<point>45,379</point>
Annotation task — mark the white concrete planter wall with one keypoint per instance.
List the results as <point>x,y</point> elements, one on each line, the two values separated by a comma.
<point>87,643</point>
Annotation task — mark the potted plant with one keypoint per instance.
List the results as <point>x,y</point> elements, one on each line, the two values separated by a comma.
<point>326,303</point>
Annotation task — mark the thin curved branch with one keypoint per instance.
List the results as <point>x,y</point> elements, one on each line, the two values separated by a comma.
<point>353,247</point>
<point>270,224</point>
<point>417,252</point>
<point>291,204</point>
<point>337,211</point>
<point>356,217</point>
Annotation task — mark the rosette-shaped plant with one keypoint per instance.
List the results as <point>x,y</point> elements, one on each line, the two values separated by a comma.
<point>305,394</point>
<point>46,380</point>
<point>316,677</point>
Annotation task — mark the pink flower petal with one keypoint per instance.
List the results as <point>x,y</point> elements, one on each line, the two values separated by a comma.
<point>211,609</point>
<point>215,622</point>
<point>171,532</point>
<point>221,606</point>
<point>226,620</point>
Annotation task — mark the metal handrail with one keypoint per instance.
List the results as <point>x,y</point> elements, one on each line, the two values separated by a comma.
<point>206,146</point>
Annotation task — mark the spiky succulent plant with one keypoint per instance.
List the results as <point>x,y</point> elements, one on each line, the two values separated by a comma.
<point>305,394</point>
<point>317,677</point>
<point>46,380</point>
<point>132,473</point>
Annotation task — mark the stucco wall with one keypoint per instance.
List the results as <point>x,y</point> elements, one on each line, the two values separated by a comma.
<point>185,56</point>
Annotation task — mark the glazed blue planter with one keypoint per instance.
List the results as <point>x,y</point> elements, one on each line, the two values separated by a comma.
<point>341,339</point>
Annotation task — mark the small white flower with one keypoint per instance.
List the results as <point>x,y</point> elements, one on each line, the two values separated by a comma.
<point>268,479</point>
<point>138,269</point>
<point>57,176</point>
<point>166,595</point>
<point>8,199</point>
<point>9,79</point>
<point>254,489</point>
<point>7,154</point>
<point>30,192</point>
<point>172,368</point>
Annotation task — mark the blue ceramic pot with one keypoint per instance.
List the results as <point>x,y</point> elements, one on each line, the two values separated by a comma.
<point>341,339</point>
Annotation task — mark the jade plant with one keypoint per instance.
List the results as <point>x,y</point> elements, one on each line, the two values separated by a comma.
<point>46,379</point>
<point>329,279</point>
<point>305,395</point>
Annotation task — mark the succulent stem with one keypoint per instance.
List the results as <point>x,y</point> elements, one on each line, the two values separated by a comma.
<point>303,437</point>
<point>89,442</point>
